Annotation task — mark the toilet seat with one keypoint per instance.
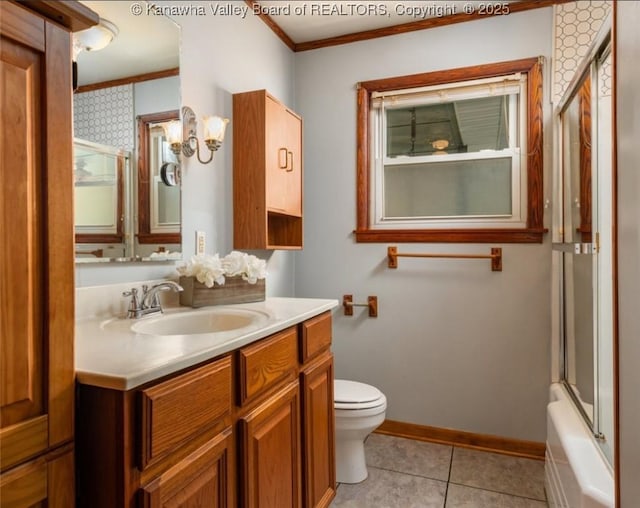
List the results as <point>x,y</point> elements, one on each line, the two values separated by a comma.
<point>351,395</point>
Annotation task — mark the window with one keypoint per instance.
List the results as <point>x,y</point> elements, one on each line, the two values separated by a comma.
<point>99,192</point>
<point>452,156</point>
<point>158,203</point>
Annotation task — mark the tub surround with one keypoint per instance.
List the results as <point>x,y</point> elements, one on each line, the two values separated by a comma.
<point>576,472</point>
<point>115,357</point>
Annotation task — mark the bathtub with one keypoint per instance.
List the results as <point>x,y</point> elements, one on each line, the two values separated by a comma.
<point>576,472</point>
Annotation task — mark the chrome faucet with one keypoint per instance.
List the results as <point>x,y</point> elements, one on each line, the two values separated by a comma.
<point>149,303</point>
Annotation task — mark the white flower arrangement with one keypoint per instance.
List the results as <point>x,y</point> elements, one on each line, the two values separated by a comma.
<point>210,270</point>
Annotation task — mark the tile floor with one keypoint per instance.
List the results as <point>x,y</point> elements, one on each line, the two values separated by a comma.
<point>404,473</point>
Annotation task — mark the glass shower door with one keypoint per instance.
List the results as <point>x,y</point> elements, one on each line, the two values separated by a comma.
<point>578,248</point>
<point>587,248</point>
<point>604,219</point>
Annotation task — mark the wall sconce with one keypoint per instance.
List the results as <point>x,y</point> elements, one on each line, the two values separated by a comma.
<point>181,136</point>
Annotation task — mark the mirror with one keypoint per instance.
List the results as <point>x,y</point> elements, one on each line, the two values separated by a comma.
<point>587,245</point>
<point>125,210</point>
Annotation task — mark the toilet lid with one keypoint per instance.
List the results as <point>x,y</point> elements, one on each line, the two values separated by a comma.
<point>354,394</point>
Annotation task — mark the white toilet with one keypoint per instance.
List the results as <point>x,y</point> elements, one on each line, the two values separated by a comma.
<point>360,409</point>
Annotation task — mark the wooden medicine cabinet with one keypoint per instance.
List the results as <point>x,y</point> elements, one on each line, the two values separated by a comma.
<point>267,173</point>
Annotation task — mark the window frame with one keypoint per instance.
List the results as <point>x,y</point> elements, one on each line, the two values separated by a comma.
<point>517,86</point>
<point>110,235</point>
<point>145,234</point>
<point>534,230</point>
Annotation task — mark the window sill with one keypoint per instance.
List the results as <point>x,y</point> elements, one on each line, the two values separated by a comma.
<point>149,238</point>
<point>99,238</point>
<point>529,235</point>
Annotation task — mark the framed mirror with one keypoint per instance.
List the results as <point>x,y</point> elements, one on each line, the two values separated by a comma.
<point>126,82</point>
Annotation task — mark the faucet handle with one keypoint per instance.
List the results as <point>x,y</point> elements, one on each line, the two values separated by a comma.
<point>133,292</point>
<point>134,304</point>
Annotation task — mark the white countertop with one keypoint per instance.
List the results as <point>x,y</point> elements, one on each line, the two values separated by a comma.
<point>108,354</point>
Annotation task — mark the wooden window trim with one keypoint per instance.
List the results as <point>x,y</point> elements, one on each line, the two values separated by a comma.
<point>145,236</point>
<point>534,230</point>
<point>584,96</point>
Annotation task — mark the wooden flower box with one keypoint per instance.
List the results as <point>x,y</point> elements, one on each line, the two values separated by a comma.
<point>234,290</point>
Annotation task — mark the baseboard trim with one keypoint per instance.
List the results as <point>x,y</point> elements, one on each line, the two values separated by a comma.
<point>485,442</point>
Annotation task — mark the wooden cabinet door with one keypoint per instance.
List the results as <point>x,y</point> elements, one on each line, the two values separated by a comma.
<point>204,479</point>
<point>21,231</point>
<point>270,454</point>
<point>283,159</point>
<point>292,130</point>
<point>36,237</point>
<point>318,441</point>
<point>276,156</point>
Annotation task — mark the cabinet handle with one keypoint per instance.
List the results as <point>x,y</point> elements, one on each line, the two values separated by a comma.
<point>286,158</point>
<point>289,158</point>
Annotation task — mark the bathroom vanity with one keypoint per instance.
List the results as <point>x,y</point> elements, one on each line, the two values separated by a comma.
<point>240,417</point>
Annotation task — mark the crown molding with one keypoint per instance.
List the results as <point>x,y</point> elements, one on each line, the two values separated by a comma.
<point>514,7</point>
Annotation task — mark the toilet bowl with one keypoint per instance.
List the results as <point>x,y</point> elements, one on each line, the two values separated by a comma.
<point>359,409</point>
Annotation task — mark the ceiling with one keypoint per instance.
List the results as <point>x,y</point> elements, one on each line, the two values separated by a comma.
<point>314,20</point>
<point>144,44</point>
<point>147,44</point>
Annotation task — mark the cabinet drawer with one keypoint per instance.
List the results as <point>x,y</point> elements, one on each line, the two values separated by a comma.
<point>264,364</point>
<point>178,409</point>
<point>315,336</point>
<point>25,485</point>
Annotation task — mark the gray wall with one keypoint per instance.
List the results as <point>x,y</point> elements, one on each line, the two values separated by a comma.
<point>628,113</point>
<point>156,96</point>
<point>455,345</point>
<point>220,55</point>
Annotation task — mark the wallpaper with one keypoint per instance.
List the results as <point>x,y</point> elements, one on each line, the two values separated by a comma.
<point>105,116</point>
<point>576,25</point>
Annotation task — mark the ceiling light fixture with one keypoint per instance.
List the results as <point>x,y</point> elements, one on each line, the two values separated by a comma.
<point>440,144</point>
<point>95,38</point>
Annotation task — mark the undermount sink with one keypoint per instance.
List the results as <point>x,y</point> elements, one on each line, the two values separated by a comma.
<point>214,320</point>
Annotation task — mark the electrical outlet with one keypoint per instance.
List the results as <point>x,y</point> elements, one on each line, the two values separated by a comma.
<point>200,242</point>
